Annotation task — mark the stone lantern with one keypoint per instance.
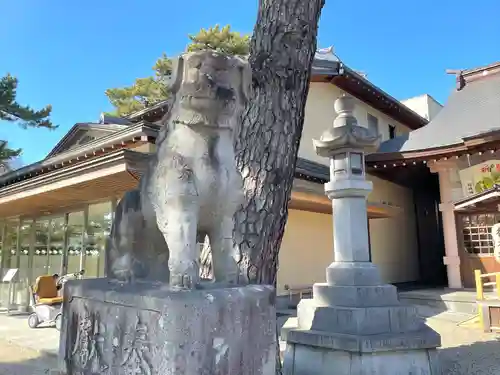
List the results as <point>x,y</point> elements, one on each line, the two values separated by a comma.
<point>344,144</point>
<point>354,324</point>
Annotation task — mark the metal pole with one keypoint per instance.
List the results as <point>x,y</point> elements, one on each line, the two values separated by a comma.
<point>18,262</point>
<point>3,258</point>
<point>3,250</point>
<point>114,203</point>
<point>49,234</point>
<point>64,261</point>
<point>84,237</point>
<point>31,254</point>
<point>18,244</point>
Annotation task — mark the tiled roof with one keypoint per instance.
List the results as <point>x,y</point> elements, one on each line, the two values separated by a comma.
<point>469,112</point>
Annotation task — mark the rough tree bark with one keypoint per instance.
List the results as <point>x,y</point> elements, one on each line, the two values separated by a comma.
<point>281,54</point>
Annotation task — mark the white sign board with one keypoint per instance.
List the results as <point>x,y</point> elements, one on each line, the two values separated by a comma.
<point>480,177</point>
<point>10,274</point>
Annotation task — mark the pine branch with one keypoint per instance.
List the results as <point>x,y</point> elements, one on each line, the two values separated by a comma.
<point>12,111</point>
<point>7,153</point>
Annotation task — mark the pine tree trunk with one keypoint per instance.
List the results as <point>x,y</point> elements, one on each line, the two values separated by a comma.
<point>267,142</point>
<point>282,51</point>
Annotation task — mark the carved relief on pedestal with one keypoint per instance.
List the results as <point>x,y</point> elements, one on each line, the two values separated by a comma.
<point>136,350</point>
<point>88,346</point>
<point>117,337</point>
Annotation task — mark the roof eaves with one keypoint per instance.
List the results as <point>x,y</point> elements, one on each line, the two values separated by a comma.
<point>478,197</point>
<point>137,115</point>
<point>478,69</point>
<point>418,119</point>
<point>130,132</point>
<point>311,171</point>
<point>59,174</point>
<point>72,132</point>
<point>109,128</point>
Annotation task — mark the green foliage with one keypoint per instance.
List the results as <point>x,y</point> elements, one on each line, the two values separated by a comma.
<point>6,153</point>
<point>143,92</point>
<point>148,91</point>
<point>24,116</point>
<point>222,40</point>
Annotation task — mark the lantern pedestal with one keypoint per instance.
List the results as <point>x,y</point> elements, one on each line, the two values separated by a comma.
<point>354,324</point>
<point>355,329</point>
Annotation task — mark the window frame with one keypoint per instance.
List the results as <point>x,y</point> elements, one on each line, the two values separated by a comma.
<point>392,131</point>
<point>475,233</point>
<point>373,121</point>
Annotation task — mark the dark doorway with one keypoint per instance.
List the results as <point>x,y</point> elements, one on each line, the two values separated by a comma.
<point>430,233</point>
<point>425,187</point>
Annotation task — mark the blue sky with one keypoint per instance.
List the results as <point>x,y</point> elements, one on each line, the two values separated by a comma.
<point>67,53</point>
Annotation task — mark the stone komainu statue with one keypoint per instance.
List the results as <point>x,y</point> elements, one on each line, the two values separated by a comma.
<point>495,233</point>
<point>191,187</point>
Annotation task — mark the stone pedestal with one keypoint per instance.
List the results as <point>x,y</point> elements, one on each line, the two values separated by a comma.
<point>146,328</point>
<point>349,329</point>
<point>354,324</point>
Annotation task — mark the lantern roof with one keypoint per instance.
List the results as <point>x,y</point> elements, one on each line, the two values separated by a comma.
<point>345,132</point>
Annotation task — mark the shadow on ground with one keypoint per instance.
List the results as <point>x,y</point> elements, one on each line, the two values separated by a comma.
<point>481,358</point>
<point>37,363</point>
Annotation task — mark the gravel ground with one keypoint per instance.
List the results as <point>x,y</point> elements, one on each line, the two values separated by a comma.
<point>465,351</point>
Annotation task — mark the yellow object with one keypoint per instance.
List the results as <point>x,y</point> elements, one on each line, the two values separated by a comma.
<point>46,290</point>
<point>497,280</point>
<point>479,295</point>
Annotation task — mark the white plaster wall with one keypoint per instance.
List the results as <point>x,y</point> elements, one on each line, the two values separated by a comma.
<point>425,105</point>
<point>307,247</point>
<point>320,115</point>
<point>394,240</point>
<point>306,250</point>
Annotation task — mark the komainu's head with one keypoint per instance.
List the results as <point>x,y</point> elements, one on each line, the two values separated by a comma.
<point>210,88</point>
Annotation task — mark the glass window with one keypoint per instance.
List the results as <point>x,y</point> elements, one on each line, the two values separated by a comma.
<point>373,124</point>
<point>42,245</point>
<point>56,245</point>
<point>75,237</point>
<point>476,233</point>
<point>25,256</point>
<point>98,229</point>
<point>9,258</point>
<point>10,248</point>
<point>2,255</point>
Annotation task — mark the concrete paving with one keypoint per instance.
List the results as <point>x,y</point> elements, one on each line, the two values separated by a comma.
<point>465,351</point>
<point>14,329</point>
<point>26,351</point>
<point>16,360</point>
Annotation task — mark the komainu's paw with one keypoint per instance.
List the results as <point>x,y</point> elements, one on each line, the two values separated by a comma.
<point>185,281</point>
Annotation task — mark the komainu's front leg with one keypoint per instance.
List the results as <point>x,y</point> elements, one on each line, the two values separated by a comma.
<point>178,223</point>
<point>224,254</point>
